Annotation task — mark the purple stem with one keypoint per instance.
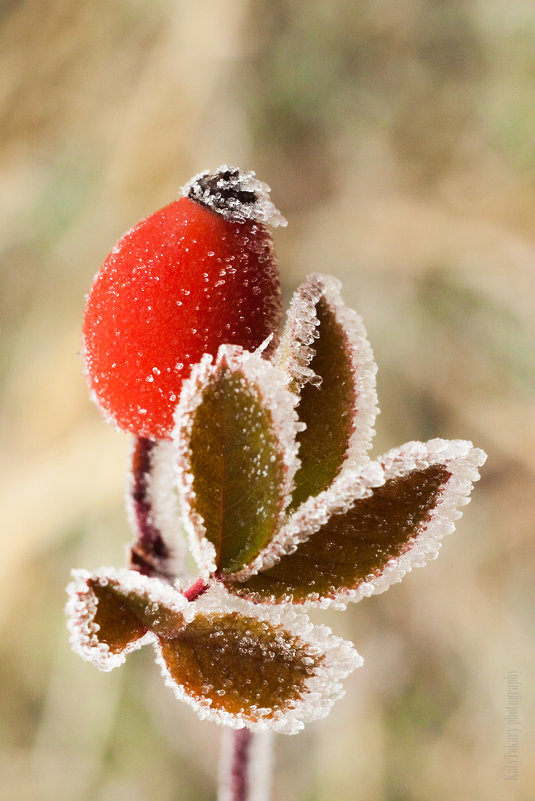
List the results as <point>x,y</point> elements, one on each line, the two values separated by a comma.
<point>245,766</point>
<point>239,765</point>
<point>149,552</point>
<point>196,589</point>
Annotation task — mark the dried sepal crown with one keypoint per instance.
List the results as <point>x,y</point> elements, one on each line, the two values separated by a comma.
<point>238,195</point>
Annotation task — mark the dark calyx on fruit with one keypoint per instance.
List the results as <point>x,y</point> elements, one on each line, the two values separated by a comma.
<point>221,188</point>
<point>235,194</point>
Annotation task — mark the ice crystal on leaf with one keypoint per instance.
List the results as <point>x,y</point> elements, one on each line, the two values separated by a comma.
<point>284,510</point>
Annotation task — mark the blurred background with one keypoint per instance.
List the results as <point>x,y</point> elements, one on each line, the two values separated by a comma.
<point>399,141</point>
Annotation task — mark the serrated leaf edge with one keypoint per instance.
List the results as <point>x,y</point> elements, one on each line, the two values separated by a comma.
<point>294,352</point>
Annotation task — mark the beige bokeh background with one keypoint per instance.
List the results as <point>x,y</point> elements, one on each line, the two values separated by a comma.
<point>399,141</point>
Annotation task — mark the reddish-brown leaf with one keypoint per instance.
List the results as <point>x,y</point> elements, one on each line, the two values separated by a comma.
<point>112,612</point>
<point>263,668</point>
<point>326,353</point>
<point>366,535</point>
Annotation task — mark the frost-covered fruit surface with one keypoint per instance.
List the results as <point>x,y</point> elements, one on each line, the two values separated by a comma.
<point>197,273</point>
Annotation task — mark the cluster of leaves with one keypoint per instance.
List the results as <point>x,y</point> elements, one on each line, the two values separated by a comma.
<point>284,511</point>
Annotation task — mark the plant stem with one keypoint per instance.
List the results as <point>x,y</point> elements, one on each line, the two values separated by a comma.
<point>196,589</point>
<point>239,766</point>
<point>245,766</point>
<point>149,552</point>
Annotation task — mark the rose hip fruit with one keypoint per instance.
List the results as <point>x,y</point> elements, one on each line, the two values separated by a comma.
<point>196,274</point>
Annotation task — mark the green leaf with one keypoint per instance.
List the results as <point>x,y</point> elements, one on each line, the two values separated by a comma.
<point>325,351</point>
<point>372,530</point>
<point>236,429</point>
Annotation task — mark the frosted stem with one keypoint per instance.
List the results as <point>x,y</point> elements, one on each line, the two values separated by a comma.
<point>245,766</point>
<point>239,766</point>
<point>149,552</point>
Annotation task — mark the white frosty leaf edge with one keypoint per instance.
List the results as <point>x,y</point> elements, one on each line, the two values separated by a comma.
<point>459,457</point>
<point>364,370</point>
<point>462,460</point>
<point>82,605</point>
<point>269,385</point>
<point>313,514</point>
<point>296,351</point>
<point>163,502</point>
<point>321,689</point>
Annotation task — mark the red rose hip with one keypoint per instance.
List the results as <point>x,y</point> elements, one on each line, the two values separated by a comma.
<point>196,274</point>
